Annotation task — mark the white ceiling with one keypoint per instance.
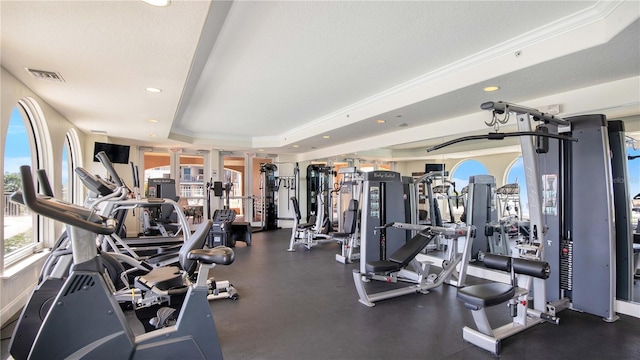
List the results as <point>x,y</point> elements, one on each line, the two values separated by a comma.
<point>250,75</point>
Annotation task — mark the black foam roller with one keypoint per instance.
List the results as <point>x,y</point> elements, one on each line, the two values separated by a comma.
<point>497,262</point>
<point>539,269</point>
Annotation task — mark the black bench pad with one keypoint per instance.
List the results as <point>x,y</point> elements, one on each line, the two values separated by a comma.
<point>476,297</point>
<point>411,249</point>
<point>382,266</point>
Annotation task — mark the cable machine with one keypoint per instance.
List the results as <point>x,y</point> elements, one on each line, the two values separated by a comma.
<point>269,189</point>
<point>319,181</point>
<point>270,186</point>
<point>565,159</point>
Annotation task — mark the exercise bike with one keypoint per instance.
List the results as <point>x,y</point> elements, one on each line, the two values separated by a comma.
<point>86,321</point>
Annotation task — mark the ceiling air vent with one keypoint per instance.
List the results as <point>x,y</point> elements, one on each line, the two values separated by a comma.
<point>99,132</point>
<point>45,75</point>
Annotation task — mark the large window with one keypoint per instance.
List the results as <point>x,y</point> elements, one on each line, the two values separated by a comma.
<point>192,194</point>
<point>466,168</point>
<point>71,155</point>
<point>460,176</point>
<point>67,176</point>
<point>515,175</point>
<point>18,221</point>
<point>156,166</point>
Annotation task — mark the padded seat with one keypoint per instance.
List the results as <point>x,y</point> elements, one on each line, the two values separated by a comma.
<point>382,266</point>
<point>221,255</point>
<point>476,297</point>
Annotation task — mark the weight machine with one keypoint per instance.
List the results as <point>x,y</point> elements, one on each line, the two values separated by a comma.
<point>320,181</point>
<point>350,189</point>
<point>574,234</point>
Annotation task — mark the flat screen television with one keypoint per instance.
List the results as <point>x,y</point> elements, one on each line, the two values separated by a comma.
<point>433,167</point>
<point>118,154</point>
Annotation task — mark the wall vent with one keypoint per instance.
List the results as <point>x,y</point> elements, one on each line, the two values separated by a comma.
<point>45,75</point>
<point>99,132</point>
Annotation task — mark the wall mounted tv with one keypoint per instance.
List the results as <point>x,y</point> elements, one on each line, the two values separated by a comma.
<point>433,167</point>
<point>118,154</point>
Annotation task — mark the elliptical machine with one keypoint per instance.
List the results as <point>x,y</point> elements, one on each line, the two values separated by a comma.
<point>69,329</point>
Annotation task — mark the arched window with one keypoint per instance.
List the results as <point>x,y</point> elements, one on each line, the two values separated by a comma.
<point>460,176</point>
<point>515,175</point>
<point>19,235</point>
<point>71,153</point>
<point>67,177</point>
<point>462,171</point>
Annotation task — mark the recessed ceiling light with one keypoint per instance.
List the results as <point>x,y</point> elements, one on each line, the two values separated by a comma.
<point>296,146</point>
<point>260,149</point>
<point>326,136</point>
<point>153,120</point>
<point>159,3</point>
<point>403,125</point>
<point>380,121</point>
<point>153,90</point>
<point>152,135</point>
<point>491,88</point>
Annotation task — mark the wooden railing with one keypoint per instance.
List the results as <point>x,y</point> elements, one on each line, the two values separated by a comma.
<point>13,209</point>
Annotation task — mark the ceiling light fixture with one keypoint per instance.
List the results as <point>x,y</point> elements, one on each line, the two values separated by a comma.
<point>326,137</point>
<point>152,135</point>
<point>296,146</point>
<point>153,121</point>
<point>153,90</point>
<point>491,88</point>
<point>158,3</point>
<point>380,121</point>
<point>260,149</point>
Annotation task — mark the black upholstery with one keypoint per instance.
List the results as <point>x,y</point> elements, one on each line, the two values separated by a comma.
<point>221,255</point>
<point>351,217</point>
<point>476,297</point>
<point>195,241</point>
<point>350,221</point>
<point>408,251</point>
<point>401,257</point>
<point>296,209</point>
<point>498,262</point>
<point>382,266</point>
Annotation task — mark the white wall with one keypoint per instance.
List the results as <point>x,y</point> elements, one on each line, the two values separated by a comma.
<point>18,280</point>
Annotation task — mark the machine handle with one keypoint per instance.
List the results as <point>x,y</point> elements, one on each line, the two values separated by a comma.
<point>45,185</point>
<point>67,213</point>
<point>104,159</point>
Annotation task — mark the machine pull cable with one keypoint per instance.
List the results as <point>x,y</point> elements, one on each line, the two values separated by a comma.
<point>500,136</point>
<point>383,220</point>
